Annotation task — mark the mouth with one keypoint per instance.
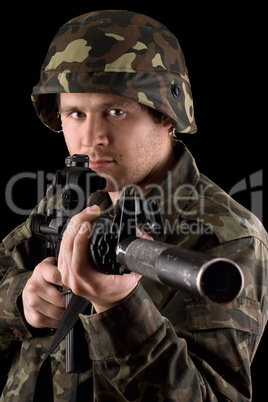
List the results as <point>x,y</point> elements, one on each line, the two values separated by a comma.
<point>98,164</point>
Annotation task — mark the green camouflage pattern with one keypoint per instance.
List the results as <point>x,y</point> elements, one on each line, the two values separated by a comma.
<point>121,53</point>
<point>158,344</point>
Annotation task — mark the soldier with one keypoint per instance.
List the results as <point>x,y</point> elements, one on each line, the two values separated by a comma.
<point>116,84</point>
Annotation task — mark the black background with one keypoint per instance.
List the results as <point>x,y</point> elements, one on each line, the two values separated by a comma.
<point>223,46</point>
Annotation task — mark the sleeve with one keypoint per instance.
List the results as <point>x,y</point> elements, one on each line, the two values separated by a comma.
<point>137,355</point>
<point>19,254</point>
<point>13,327</point>
<point>191,350</point>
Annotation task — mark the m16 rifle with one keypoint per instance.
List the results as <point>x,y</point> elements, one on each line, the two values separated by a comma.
<point>115,248</point>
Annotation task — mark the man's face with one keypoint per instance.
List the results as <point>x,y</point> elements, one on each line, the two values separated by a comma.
<point>120,137</point>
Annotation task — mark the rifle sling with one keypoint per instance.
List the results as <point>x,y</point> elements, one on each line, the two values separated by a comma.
<point>44,387</point>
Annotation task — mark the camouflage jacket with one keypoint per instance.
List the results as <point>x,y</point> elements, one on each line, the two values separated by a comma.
<point>158,344</point>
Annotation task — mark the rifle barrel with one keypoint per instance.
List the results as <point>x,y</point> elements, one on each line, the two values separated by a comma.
<point>217,280</point>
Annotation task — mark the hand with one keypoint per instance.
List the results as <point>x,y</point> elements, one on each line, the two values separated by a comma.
<point>79,274</point>
<point>43,303</point>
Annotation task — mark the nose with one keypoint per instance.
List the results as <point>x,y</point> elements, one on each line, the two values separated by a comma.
<point>94,132</point>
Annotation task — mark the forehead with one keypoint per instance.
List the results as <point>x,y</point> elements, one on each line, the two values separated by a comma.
<point>91,100</point>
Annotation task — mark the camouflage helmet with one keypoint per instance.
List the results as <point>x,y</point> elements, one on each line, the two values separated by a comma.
<point>116,52</point>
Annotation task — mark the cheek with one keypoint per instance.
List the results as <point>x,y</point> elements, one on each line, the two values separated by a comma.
<point>144,153</point>
<point>142,140</point>
<point>149,146</point>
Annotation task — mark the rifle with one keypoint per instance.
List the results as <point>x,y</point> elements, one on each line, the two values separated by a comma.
<point>115,249</point>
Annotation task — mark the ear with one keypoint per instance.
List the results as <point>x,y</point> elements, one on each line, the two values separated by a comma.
<point>166,123</point>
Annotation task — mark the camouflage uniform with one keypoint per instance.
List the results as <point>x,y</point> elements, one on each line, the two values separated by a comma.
<point>158,344</point>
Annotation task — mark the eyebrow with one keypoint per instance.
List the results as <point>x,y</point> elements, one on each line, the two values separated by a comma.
<point>69,108</point>
<point>105,105</point>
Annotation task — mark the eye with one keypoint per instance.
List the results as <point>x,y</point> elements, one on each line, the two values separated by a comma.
<point>77,115</point>
<point>115,112</point>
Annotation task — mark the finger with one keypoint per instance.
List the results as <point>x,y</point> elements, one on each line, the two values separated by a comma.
<point>89,214</point>
<point>142,234</point>
<point>43,308</point>
<point>49,271</point>
<point>38,291</point>
<point>54,296</point>
<point>73,228</point>
<point>54,309</point>
<point>80,257</point>
<point>76,235</point>
<point>39,320</point>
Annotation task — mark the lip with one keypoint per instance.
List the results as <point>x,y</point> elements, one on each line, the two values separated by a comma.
<point>100,163</point>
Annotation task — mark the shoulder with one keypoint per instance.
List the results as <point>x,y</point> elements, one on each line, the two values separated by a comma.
<point>20,244</point>
<point>228,219</point>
